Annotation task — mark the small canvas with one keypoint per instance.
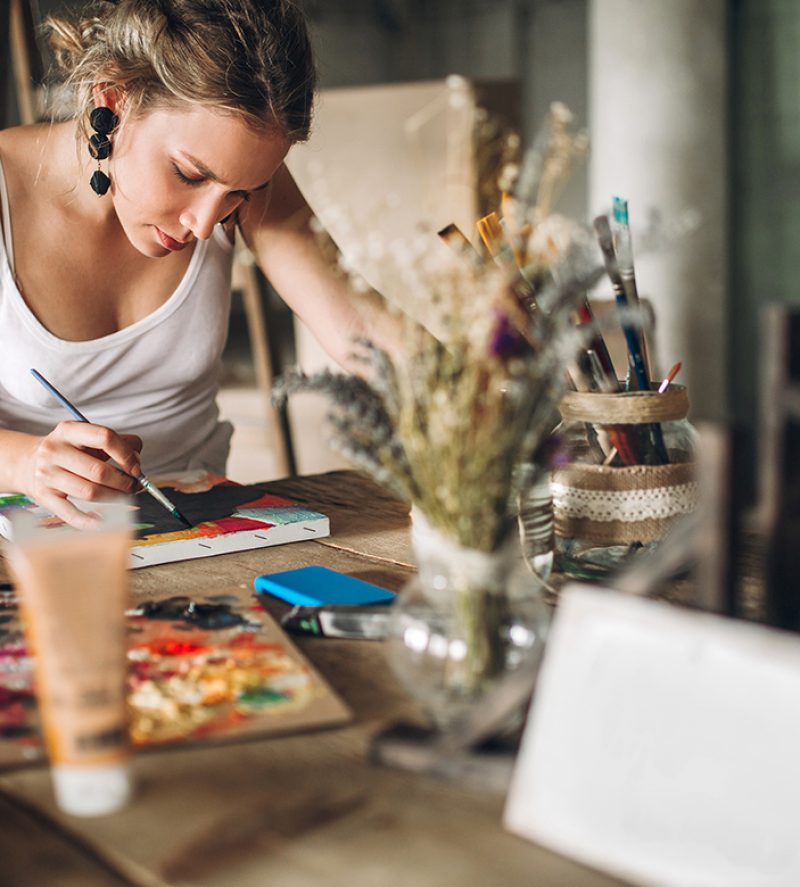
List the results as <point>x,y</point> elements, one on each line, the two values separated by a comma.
<point>226,517</point>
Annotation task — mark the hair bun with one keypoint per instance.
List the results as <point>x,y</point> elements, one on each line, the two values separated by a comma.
<point>249,57</point>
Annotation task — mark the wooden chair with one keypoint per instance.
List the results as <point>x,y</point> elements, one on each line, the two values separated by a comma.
<point>246,280</point>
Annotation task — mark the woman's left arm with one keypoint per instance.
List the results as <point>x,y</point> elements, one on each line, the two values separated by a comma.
<point>275,226</point>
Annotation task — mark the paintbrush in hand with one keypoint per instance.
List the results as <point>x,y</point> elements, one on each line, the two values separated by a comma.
<point>151,488</point>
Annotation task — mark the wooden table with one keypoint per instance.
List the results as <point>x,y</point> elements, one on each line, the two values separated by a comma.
<point>300,810</point>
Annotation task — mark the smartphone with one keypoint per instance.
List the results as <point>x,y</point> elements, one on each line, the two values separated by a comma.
<point>319,586</point>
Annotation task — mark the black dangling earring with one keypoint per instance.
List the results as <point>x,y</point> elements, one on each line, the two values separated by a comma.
<point>103,121</point>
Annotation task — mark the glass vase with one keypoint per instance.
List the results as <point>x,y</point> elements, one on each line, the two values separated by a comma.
<point>463,622</point>
<point>535,519</point>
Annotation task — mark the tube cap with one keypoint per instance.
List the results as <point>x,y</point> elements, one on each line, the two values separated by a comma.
<point>91,790</point>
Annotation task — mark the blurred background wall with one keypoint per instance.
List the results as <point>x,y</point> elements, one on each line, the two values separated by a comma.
<point>688,102</point>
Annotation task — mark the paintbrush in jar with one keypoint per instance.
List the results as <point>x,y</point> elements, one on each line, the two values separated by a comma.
<point>458,241</point>
<point>516,232</point>
<point>494,238</point>
<point>624,252</point>
<point>668,379</point>
<point>605,240</point>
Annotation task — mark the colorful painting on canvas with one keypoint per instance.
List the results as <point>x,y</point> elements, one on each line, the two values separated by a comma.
<point>226,517</point>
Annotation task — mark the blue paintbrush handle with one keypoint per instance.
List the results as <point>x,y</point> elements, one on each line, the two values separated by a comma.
<point>76,413</point>
<point>632,341</point>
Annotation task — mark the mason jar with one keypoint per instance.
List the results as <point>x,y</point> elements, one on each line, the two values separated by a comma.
<point>625,477</point>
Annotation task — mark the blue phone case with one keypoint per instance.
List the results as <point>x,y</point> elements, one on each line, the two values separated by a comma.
<point>318,586</point>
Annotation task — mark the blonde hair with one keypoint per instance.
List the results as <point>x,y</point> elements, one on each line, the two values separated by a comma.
<point>244,57</point>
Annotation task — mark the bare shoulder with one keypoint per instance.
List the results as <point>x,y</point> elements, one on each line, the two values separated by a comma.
<point>18,144</point>
<point>28,154</point>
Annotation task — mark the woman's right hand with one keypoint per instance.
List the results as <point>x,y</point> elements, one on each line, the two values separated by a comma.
<point>73,460</point>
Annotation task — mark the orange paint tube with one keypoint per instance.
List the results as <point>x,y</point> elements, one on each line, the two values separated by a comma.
<point>73,594</point>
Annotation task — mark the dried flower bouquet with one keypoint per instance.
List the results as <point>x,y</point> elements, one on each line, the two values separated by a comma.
<point>446,426</point>
<point>475,393</point>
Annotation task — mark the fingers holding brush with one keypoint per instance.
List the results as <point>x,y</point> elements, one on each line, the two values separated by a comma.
<point>74,460</point>
<point>102,445</point>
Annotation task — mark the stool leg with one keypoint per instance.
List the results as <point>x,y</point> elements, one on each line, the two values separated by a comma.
<point>259,344</point>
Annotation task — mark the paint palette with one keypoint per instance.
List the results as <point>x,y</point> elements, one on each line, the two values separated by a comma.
<point>197,684</point>
<point>211,668</point>
<point>226,517</point>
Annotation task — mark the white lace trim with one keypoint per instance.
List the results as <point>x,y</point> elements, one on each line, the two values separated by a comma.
<point>629,506</point>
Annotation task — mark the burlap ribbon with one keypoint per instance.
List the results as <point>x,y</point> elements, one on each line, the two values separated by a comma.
<point>617,506</point>
<point>611,506</point>
<point>625,408</point>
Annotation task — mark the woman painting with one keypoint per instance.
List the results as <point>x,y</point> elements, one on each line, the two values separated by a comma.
<point>117,233</point>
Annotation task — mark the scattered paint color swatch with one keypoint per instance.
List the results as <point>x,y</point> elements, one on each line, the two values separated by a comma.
<point>187,681</point>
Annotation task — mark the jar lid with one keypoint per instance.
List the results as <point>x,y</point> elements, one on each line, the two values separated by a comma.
<point>625,407</point>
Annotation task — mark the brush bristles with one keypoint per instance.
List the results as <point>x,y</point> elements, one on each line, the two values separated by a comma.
<point>491,232</point>
<point>455,238</point>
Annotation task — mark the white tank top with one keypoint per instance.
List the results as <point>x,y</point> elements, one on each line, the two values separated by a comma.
<point>157,378</point>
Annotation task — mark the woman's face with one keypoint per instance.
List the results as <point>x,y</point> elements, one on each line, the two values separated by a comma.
<point>176,173</point>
